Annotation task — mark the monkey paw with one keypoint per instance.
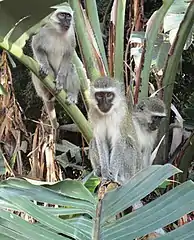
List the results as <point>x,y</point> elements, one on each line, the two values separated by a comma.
<point>44,71</point>
<point>58,85</point>
<point>71,98</point>
<point>108,176</point>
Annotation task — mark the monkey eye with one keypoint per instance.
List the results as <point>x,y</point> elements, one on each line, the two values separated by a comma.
<point>68,15</point>
<point>61,15</point>
<point>109,95</point>
<point>157,118</point>
<point>99,95</point>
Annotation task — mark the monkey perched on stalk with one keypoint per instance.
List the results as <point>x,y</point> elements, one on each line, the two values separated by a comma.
<point>114,150</point>
<point>53,47</point>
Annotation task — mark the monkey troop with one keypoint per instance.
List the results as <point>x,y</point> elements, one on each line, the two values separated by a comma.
<point>53,47</point>
<point>122,140</point>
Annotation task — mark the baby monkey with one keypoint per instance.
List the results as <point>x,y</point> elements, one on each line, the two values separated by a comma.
<point>53,47</point>
<point>113,151</point>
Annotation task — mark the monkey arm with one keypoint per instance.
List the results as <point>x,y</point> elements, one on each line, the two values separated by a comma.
<point>72,84</point>
<point>103,152</point>
<point>40,54</point>
<point>63,69</point>
<point>94,157</point>
<point>116,161</point>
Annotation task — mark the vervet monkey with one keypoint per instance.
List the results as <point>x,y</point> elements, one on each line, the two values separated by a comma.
<point>147,116</point>
<point>53,48</point>
<point>113,150</point>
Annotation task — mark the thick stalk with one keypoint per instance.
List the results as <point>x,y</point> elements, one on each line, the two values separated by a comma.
<point>92,13</point>
<point>119,41</point>
<point>89,59</point>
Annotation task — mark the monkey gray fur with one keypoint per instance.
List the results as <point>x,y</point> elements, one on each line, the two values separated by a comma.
<point>147,117</point>
<point>113,151</point>
<point>53,47</point>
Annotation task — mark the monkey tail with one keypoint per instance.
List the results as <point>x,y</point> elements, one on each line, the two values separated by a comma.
<point>50,109</point>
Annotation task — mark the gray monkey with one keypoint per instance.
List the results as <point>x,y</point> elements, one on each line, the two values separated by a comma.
<point>53,47</point>
<point>147,117</point>
<point>113,151</point>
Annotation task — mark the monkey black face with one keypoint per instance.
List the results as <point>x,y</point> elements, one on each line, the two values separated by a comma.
<point>104,100</point>
<point>156,120</point>
<point>64,20</point>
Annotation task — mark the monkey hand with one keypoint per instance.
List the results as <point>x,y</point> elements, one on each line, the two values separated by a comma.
<point>107,175</point>
<point>71,98</point>
<point>59,82</point>
<point>44,71</point>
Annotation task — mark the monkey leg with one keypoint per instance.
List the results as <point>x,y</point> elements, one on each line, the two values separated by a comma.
<point>72,85</point>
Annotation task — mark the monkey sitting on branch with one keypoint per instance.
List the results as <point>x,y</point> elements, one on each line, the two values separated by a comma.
<point>114,150</point>
<point>53,47</point>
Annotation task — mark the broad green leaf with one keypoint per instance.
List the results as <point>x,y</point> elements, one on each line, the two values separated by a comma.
<point>47,219</point>
<point>65,211</point>
<point>184,232</point>
<point>2,236</point>
<point>11,233</point>
<point>84,223</point>
<point>20,187</point>
<point>75,221</point>
<point>74,189</point>
<point>23,228</point>
<point>154,215</point>
<point>137,188</point>
<point>92,183</point>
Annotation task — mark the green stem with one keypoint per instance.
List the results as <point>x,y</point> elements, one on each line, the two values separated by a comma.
<point>90,60</point>
<point>119,42</point>
<point>95,23</point>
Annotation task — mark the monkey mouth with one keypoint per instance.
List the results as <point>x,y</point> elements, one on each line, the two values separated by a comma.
<point>152,126</point>
<point>64,27</point>
<point>105,109</point>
